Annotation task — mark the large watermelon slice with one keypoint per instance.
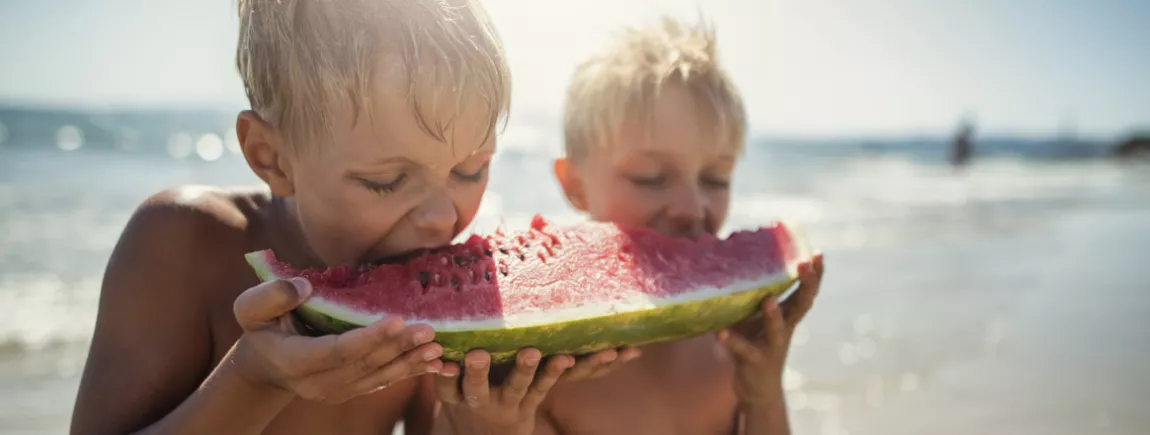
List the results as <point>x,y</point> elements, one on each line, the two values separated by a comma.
<point>562,289</point>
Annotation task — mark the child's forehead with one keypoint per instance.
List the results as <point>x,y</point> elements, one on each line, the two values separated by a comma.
<point>641,145</point>
<point>390,130</point>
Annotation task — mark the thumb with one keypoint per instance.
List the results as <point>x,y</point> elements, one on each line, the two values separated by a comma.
<point>263,304</point>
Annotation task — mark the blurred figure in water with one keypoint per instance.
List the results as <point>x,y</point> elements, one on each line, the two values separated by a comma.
<point>963,148</point>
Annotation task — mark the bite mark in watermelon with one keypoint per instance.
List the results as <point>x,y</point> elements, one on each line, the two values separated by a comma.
<point>562,289</point>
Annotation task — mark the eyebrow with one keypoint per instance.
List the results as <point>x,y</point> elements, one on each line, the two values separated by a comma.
<point>663,154</point>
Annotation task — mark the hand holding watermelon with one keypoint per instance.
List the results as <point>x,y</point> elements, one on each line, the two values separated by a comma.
<point>600,363</point>
<point>473,406</point>
<point>332,368</point>
<point>761,355</point>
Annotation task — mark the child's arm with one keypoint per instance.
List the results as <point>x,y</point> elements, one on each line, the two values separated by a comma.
<point>760,363</point>
<point>152,347</point>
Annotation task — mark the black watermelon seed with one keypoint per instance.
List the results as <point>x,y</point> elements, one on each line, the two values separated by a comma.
<point>503,251</point>
<point>487,276</point>
<point>503,271</point>
<point>522,257</point>
<point>454,282</point>
<point>472,258</point>
<point>424,277</point>
<point>487,252</point>
<point>459,261</point>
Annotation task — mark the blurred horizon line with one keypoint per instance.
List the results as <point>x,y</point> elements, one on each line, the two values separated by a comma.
<point>538,118</point>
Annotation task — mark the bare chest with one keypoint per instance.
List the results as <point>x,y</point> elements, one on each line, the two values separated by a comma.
<point>692,395</point>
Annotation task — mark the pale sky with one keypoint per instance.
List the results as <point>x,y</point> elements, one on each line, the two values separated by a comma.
<point>807,67</point>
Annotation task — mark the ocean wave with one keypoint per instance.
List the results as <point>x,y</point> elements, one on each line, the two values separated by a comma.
<point>45,310</point>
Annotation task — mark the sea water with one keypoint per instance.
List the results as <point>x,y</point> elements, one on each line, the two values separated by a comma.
<point>1008,297</point>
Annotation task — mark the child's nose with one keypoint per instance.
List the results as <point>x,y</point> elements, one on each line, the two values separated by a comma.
<point>686,211</point>
<point>435,217</point>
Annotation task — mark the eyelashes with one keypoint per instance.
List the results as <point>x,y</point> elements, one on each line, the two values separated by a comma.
<point>394,185</point>
<point>384,188</point>
<point>640,181</point>
<point>474,177</point>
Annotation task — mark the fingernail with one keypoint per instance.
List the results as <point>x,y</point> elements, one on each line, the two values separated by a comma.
<point>532,362</point>
<point>473,402</point>
<point>446,374</point>
<point>477,364</point>
<point>302,286</point>
<point>431,354</point>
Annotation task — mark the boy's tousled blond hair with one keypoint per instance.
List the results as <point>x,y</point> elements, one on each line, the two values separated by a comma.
<point>297,58</point>
<point>619,85</point>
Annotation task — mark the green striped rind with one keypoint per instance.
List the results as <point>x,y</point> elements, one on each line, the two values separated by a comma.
<point>574,337</point>
<point>586,335</point>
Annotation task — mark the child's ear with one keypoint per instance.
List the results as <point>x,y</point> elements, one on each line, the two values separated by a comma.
<point>264,152</point>
<point>572,183</point>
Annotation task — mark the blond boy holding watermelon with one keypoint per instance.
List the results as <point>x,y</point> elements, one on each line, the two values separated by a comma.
<point>372,124</point>
<point>653,129</point>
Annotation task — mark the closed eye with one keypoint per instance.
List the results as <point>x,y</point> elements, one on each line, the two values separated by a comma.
<point>643,181</point>
<point>716,183</point>
<point>383,188</point>
<point>475,177</point>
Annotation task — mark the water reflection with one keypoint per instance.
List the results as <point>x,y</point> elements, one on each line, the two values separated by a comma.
<point>210,148</point>
<point>847,354</point>
<point>69,138</point>
<point>180,145</point>
<point>127,138</point>
<point>232,142</point>
<point>3,133</point>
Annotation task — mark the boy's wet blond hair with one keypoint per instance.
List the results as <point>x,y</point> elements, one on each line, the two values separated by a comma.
<point>297,58</point>
<point>620,84</point>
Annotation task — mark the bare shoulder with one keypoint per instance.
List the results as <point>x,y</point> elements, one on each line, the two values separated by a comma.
<point>178,259</point>
<point>196,210</point>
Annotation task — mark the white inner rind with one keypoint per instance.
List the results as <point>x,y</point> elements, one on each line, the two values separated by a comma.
<point>633,302</point>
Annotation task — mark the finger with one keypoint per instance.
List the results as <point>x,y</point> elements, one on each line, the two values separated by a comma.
<point>475,389</point>
<point>353,347</point>
<point>521,376</point>
<point>773,323</point>
<point>345,382</point>
<point>586,367</point>
<point>797,306</point>
<point>262,305</point>
<point>447,384</point>
<point>546,379</point>
<point>397,371</point>
<point>742,349</point>
<point>360,351</point>
<point>625,355</point>
<point>391,345</point>
<point>628,354</point>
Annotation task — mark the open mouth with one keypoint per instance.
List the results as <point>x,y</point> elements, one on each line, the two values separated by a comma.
<point>403,258</point>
